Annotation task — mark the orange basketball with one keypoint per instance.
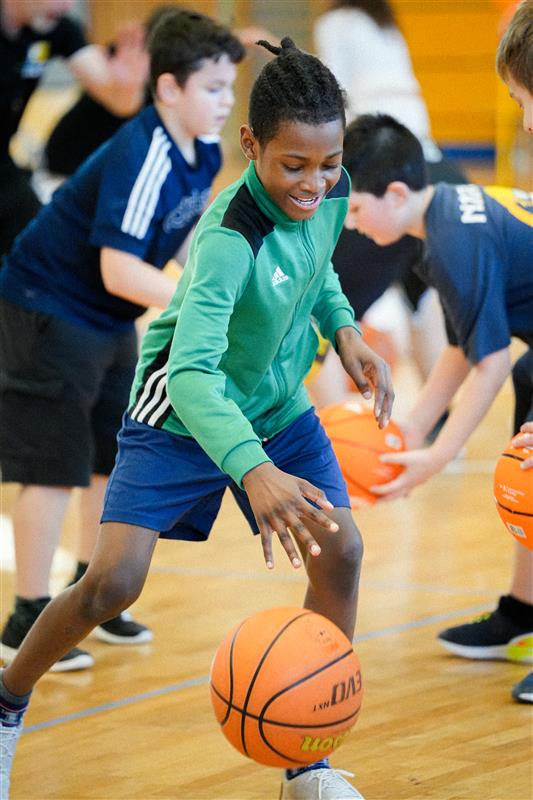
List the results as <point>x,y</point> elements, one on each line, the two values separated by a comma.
<point>358,443</point>
<point>513,493</point>
<point>286,687</point>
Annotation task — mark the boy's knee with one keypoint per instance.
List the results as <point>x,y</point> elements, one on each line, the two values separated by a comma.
<point>345,555</point>
<point>351,555</point>
<point>107,595</point>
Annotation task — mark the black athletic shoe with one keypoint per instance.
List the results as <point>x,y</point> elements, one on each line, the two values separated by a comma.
<point>123,630</point>
<point>523,691</point>
<point>491,636</point>
<point>18,625</point>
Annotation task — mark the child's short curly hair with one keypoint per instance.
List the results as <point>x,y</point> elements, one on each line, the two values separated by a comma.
<point>294,87</point>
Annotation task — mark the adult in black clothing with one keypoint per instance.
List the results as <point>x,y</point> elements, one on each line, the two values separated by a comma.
<point>89,123</point>
<point>31,33</point>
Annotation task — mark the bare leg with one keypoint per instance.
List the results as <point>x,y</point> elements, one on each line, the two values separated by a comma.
<point>91,504</point>
<point>522,582</point>
<point>37,519</point>
<point>114,579</point>
<point>334,574</point>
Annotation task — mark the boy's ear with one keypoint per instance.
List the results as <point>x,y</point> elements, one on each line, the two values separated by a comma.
<point>248,143</point>
<point>398,192</point>
<point>166,88</point>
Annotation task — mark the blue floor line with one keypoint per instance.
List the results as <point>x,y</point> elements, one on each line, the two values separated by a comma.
<point>187,684</point>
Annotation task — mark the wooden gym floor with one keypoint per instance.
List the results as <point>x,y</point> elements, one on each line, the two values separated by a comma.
<point>140,725</point>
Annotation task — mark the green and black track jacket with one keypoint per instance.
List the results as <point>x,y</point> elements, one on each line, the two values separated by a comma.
<point>225,362</point>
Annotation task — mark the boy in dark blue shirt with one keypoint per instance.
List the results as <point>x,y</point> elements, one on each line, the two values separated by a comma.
<point>479,257</point>
<point>71,289</point>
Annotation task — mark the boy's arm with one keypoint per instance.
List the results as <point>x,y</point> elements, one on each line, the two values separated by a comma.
<point>370,373</point>
<point>445,378</point>
<point>480,388</point>
<point>130,278</point>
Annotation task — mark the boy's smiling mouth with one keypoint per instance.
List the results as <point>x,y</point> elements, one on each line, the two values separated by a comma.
<point>307,202</point>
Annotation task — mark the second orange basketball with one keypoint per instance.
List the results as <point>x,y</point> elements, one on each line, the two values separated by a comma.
<point>358,443</point>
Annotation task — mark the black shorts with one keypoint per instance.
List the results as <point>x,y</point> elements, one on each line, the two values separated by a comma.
<point>18,204</point>
<point>523,389</point>
<point>63,390</point>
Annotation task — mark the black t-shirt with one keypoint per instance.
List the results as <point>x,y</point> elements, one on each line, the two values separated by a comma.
<point>22,62</point>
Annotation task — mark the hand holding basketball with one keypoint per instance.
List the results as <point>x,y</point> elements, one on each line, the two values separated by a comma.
<point>525,439</point>
<point>279,502</point>
<point>359,443</point>
<point>513,491</point>
<point>419,466</point>
<point>370,373</point>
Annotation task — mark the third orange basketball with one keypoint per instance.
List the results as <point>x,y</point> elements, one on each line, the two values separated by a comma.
<point>513,493</point>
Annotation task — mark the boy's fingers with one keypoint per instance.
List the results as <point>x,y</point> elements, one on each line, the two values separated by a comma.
<point>394,458</point>
<point>289,547</point>
<point>318,517</point>
<point>266,542</point>
<point>314,493</point>
<point>298,529</point>
<point>390,488</point>
<point>522,440</point>
<point>527,464</point>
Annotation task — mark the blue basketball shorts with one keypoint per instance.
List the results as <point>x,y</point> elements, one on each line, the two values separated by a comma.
<point>168,484</point>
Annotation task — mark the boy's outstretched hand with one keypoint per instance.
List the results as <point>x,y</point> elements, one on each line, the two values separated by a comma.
<point>370,373</point>
<point>279,504</point>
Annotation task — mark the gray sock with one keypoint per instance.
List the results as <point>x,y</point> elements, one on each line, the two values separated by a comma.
<point>9,698</point>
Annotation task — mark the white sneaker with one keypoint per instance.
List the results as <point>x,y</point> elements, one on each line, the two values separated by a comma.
<point>9,735</point>
<point>319,784</point>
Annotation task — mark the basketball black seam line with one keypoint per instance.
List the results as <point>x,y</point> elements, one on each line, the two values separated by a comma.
<point>511,455</point>
<point>281,723</point>
<point>257,670</point>
<point>292,686</point>
<point>305,727</point>
<point>230,699</point>
<point>512,511</point>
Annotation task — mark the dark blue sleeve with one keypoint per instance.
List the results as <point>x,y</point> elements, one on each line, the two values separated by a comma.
<point>469,274</point>
<point>67,38</point>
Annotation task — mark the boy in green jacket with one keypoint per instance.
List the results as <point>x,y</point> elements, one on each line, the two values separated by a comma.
<point>218,399</point>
